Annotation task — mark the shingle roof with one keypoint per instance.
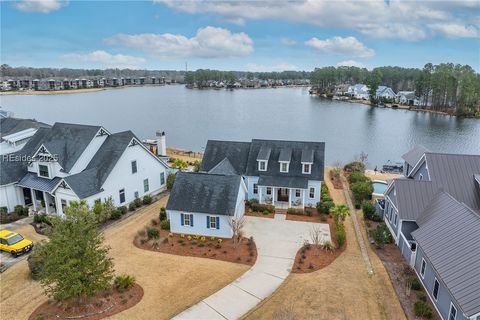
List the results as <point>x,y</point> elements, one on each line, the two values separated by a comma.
<point>413,156</point>
<point>90,181</point>
<point>264,153</point>
<point>10,126</point>
<point>449,237</point>
<point>285,154</point>
<point>224,167</point>
<point>285,182</point>
<point>32,180</point>
<point>205,193</point>
<point>236,153</point>
<point>412,196</point>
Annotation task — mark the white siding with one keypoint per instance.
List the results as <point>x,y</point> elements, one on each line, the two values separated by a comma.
<point>10,196</point>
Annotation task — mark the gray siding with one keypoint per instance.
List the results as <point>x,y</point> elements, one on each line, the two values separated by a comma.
<point>421,171</point>
<point>389,216</point>
<point>444,296</point>
<point>405,249</point>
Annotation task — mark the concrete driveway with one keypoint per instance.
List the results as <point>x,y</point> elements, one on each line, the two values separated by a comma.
<point>6,258</point>
<point>278,241</point>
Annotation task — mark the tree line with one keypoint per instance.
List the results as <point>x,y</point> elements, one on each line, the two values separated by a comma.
<point>201,76</point>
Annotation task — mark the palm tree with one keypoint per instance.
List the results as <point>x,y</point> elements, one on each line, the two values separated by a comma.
<point>340,212</point>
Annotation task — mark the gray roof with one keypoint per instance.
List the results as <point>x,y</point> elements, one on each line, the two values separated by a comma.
<point>224,167</point>
<point>90,181</point>
<point>408,227</point>
<point>285,182</point>
<point>285,154</point>
<point>307,155</point>
<point>68,141</point>
<point>13,125</point>
<point>236,153</point>
<point>449,237</point>
<point>413,156</point>
<point>33,181</point>
<point>412,196</point>
<point>264,153</point>
<point>205,193</point>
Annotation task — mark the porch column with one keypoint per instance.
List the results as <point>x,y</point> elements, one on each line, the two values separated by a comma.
<point>273,195</point>
<point>34,199</point>
<point>289,197</point>
<point>260,194</point>
<point>303,198</point>
<point>45,199</point>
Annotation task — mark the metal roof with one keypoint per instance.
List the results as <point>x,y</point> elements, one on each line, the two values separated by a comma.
<point>448,235</point>
<point>413,156</point>
<point>33,181</point>
<point>412,196</point>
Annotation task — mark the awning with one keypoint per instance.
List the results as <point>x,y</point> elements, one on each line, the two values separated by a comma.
<point>33,181</point>
<point>283,182</point>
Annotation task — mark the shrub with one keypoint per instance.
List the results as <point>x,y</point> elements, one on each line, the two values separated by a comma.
<point>170,180</point>
<point>116,215</point>
<point>324,206</point>
<point>265,212</point>
<point>122,209</point>
<point>340,234</point>
<point>138,202</point>
<point>422,296</point>
<point>153,233</point>
<point>142,233</point>
<point>124,281</point>
<point>355,166</point>
<point>21,210</point>
<point>165,225</point>
<point>262,207</point>
<point>323,217</point>
<point>422,309</point>
<point>357,176</point>
<point>369,211</point>
<point>147,199</point>
<point>163,214</point>
<point>362,191</point>
<point>324,190</point>
<point>35,262</point>
<point>132,206</point>
<point>295,211</point>
<point>3,210</point>
<point>415,284</point>
<point>42,218</point>
<point>381,235</point>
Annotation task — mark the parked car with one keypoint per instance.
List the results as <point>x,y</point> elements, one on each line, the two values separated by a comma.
<point>14,243</point>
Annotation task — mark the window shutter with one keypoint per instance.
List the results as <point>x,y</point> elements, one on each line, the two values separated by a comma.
<point>191,220</point>
<point>208,222</point>
<point>218,222</point>
<point>181,219</point>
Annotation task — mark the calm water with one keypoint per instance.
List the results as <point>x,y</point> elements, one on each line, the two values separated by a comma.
<point>191,117</point>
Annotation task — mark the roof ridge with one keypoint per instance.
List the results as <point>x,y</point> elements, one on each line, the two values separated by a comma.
<point>452,154</point>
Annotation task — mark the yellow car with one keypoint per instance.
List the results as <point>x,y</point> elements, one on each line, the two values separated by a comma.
<point>14,243</point>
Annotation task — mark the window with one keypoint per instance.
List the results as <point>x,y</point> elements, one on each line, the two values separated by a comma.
<point>269,190</point>
<point>283,166</point>
<point>186,219</point>
<point>122,195</point>
<point>43,171</point>
<point>452,315</point>
<point>307,168</point>
<point>162,178</point>
<point>436,286</point>
<point>212,222</point>
<point>134,166</point>
<point>395,219</point>
<point>422,269</point>
<point>420,177</point>
<point>255,188</point>
<point>262,165</point>
<point>135,194</point>
<point>145,185</point>
<point>312,193</point>
<point>297,193</point>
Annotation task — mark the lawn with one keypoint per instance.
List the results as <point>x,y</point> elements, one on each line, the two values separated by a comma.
<point>170,283</point>
<point>342,290</point>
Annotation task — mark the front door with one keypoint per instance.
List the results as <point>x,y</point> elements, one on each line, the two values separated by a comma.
<point>282,195</point>
<point>27,196</point>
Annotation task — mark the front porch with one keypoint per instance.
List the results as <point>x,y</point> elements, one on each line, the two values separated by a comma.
<point>282,198</point>
<point>38,193</point>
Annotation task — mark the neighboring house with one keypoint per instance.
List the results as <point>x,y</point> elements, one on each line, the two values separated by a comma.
<point>15,133</point>
<point>341,89</point>
<point>359,91</point>
<point>205,204</point>
<point>433,215</point>
<point>70,162</point>
<point>385,92</point>
<point>407,97</point>
<point>283,173</point>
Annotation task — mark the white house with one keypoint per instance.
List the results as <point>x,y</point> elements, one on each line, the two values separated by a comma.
<point>358,91</point>
<point>282,173</point>
<point>385,92</point>
<point>407,97</point>
<point>15,133</point>
<point>205,204</point>
<point>70,162</point>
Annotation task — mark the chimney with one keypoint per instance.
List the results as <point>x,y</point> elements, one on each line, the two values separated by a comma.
<point>161,143</point>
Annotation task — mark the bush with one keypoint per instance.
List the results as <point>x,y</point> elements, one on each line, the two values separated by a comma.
<point>147,199</point>
<point>132,206</point>
<point>415,284</point>
<point>361,191</point>
<point>165,225</point>
<point>324,190</point>
<point>381,235</point>
<point>35,262</point>
<point>369,211</point>
<point>355,166</point>
<point>170,180</point>
<point>153,233</point>
<point>325,206</point>
<point>422,309</point>
<point>124,281</point>
<point>357,176</point>
<point>122,209</point>
<point>163,214</point>
<point>262,207</point>
<point>3,210</point>
<point>294,211</point>
<point>41,218</point>
<point>340,234</point>
<point>138,202</point>
<point>265,212</point>
<point>21,210</point>
<point>117,214</point>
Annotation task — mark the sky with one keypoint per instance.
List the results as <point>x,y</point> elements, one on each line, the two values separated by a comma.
<point>239,35</point>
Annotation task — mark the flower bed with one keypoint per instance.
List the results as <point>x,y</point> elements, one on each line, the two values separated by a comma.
<point>245,251</point>
<point>101,306</point>
<point>309,259</point>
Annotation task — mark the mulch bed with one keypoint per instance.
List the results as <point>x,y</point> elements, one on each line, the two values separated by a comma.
<point>10,217</point>
<point>100,306</point>
<point>399,272</point>
<point>312,261</point>
<point>245,252</point>
<point>259,214</point>
<point>314,217</point>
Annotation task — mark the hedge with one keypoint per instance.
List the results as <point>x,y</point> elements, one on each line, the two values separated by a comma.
<point>340,234</point>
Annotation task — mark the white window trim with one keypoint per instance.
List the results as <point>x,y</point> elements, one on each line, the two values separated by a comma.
<point>309,167</point>
<point>48,170</point>
<point>395,219</point>
<point>420,176</point>
<point>210,222</point>
<point>433,288</point>
<point>267,189</point>
<point>424,270</point>
<point>299,192</point>
<point>146,185</point>
<point>310,192</point>
<point>284,163</point>
<point>136,166</point>
<point>189,216</point>
<point>450,310</point>
<point>260,163</point>
<point>120,197</point>
<point>255,190</point>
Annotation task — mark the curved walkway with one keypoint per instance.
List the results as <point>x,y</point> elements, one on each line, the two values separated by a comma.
<point>277,241</point>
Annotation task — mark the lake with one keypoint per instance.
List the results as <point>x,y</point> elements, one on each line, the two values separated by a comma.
<point>191,117</point>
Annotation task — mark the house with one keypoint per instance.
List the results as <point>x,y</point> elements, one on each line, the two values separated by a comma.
<point>433,215</point>
<point>15,133</point>
<point>282,173</point>
<point>358,91</point>
<point>385,93</point>
<point>341,89</point>
<point>70,162</point>
<point>205,204</point>
<point>407,97</point>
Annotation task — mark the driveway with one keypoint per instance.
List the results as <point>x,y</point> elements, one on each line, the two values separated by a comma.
<point>278,241</point>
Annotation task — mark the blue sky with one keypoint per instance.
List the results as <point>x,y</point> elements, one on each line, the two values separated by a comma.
<point>236,35</point>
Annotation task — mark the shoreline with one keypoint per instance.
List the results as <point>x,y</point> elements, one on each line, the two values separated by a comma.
<point>70,91</point>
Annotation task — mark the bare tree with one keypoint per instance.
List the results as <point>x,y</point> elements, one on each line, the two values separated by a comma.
<point>316,239</point>
<point>237,229</point>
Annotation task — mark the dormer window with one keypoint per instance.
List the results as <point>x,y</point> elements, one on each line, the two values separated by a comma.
<point>306,168</point>
<point>262,165</point>
<point>284,167</point>
<point>43,171</point>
